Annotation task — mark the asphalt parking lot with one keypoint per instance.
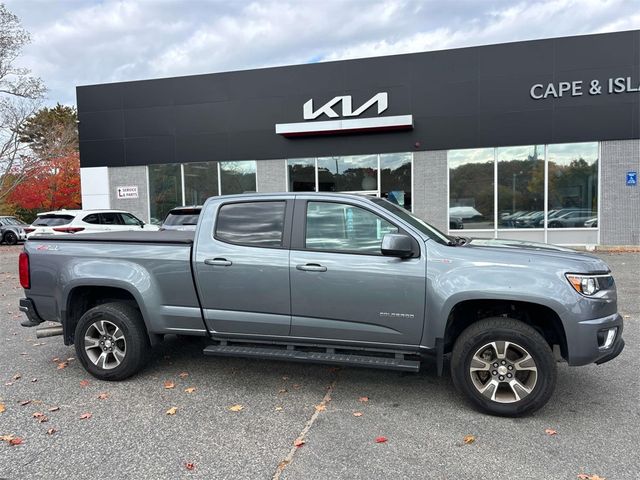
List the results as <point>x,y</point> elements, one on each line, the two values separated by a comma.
<point>595,412</point>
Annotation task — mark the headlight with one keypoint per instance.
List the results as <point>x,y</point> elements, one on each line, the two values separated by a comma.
<point>589,284</point>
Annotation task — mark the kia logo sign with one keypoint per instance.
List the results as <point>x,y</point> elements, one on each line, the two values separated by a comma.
<point>382,99</point>
<point>342,122</point>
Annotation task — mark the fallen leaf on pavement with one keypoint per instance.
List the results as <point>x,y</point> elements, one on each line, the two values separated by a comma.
<point>85,416</point>
<point>381,439</point>
<point>62,365</point>
<point>172,411</point>
<point>190,389</point>
<point>299,442</point>
<point>25,402</point>
<point>54,409</point>
<point>189,466</point>
<point>2,408</point>
<point>469,439</point>
<point>84,383</point>
<point>8,384</point>
<point>550,431</point>
<point>103,396</point>
<point>320,408</point>
<point>38,415</point>
<point>183,374</point>
<point>169,384</point>
<point>357,414</point>
<point>283,464</point>
<point>296,385</point>
<point>6,438</point>
<point>586,476</point>
<point>363,399</point>
<point>236,408</point>
<point>278,409</point>
<point>282,390</point>
<point>43,419</point>
<point>16,441</point>
<point>17,376</point>
<point>34,380</point>
<point>285,377</point>
<point>51,431</point>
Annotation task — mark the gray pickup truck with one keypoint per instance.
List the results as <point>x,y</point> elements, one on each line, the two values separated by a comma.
<point>329,278</point>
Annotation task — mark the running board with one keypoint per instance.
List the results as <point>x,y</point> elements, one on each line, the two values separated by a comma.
<point>267,353</point>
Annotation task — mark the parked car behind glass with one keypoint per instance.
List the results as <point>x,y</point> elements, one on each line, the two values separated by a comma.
<point>88,221</point>
<point>12,230</point>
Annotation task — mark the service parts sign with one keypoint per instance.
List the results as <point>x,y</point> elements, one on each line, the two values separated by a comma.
<point>578,88</point>
<point>130,191</point>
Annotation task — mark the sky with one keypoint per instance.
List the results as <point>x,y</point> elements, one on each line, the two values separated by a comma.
<point>81,42</point>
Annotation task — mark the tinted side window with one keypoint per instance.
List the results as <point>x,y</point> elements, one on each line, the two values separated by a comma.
<point>259,224</point>
<point>128,219</point>
<point>110,218</point>
<point>94,218</point>
<point>343,227</point>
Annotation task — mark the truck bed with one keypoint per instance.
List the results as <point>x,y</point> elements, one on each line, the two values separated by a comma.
<point>134,236</point>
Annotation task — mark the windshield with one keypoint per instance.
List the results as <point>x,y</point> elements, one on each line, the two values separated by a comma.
<point>183,217</point>
<point>52,220</point>
<point>419,224</point>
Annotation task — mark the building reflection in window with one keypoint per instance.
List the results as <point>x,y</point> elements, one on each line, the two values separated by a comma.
<point>357,173</point>
<point>471,199</point>
<point>200,182</point>
<point>521,187</point>
<point>573,185</point>
<point>395,178</point>
<point>165,190</point>
<point>238,177</point>
<point>302,174</point>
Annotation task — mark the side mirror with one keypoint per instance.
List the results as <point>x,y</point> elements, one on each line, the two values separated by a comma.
<point>397,245</point>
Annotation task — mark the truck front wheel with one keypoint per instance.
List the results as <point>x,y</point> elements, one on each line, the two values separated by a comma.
<point>111,341</point>
<point>504,367</point>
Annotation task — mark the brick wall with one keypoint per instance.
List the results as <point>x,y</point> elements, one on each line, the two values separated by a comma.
<point>430,187</point>
<point>126,177</point>
<point>619,204</point>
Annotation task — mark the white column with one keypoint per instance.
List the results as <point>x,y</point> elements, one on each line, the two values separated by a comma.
<point>94,185</point>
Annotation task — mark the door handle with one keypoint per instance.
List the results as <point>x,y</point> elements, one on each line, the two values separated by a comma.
<point>311,267</point>
<point>218,262</point>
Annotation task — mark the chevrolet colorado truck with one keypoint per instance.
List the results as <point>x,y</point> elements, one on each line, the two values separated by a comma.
<point>329,278</point>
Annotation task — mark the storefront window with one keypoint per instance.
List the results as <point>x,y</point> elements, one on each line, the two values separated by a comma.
<point>200,182</point>
<point>165,190</point>
<point>302,174</point>
<point>238,177</point>
<point>348,174</point>
<point>471,180</point>
<point>573,185</point>
<point>395,178</point>
<point>521,187</point>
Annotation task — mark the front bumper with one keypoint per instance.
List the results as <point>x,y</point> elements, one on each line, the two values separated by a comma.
<point>29,309</point>
<point>583,344</point>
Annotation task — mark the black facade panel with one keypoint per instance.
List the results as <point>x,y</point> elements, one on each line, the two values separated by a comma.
<point>463,98</point>
<point>100,153</point>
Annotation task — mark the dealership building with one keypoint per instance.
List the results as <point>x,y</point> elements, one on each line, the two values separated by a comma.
<point>536,140</point>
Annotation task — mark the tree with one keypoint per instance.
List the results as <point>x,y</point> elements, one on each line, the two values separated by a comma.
<point>51,132</point>
<point>19,96</point>
<point>53,187</point>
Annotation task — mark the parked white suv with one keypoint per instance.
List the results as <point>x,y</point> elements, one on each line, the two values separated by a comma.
<point>63,222</point>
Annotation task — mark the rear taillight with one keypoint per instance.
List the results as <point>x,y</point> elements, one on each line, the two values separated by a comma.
<point>23,267</point>
<point>68,229</point>
<point>29,230</point>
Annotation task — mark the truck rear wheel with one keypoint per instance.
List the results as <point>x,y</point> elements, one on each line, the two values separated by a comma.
<point>111,341</point>
<point>504,367</point>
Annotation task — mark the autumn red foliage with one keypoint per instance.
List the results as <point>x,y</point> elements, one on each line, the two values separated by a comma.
<point>55,186</point>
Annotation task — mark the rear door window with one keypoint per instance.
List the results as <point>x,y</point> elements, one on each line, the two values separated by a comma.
<point>257,224</point>
<point>93,219</point>
<point>110,218</point>
<point>52,220</point>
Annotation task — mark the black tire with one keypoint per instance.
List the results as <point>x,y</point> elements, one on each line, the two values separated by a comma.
<point>501,329</point>
<point>10,238</point>
<point>137,347</point>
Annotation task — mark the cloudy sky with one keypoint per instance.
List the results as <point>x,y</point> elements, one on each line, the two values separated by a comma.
<point>79,42</point>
